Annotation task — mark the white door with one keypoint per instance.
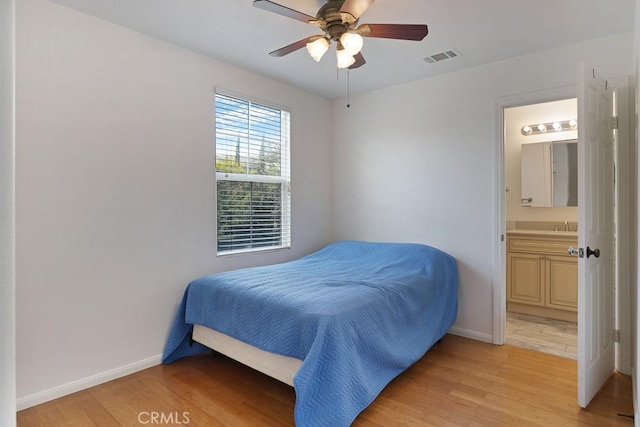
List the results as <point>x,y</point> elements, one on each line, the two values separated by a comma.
<point>596,348</point>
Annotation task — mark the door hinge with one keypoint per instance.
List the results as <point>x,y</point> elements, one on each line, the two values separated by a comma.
<point>502,237</point>
<point>616,335</point>
<point>614,122</point>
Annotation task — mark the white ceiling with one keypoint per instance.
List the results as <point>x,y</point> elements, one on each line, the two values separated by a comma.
<point>483,31</point>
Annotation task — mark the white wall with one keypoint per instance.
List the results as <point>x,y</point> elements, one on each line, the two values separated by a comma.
<point>416,162</point>
<point>7,206</point>
<point>514,119</point>
<point>115,192</point>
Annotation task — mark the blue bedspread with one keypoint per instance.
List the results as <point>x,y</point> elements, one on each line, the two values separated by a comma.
<point>356,313</point>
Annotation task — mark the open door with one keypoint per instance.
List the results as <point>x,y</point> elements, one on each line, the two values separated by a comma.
<point>596,268</point>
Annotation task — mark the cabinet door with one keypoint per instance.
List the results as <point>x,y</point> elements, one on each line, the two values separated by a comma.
<point>562,283</point>
<point>536,173</point>
<point>525,275</point>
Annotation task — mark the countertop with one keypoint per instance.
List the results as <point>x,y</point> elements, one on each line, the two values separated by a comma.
<point>543,233</point>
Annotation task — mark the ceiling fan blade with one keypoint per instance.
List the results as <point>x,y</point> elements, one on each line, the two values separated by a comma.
<point>283,10</point>
<point>293,46</point>
<point>355,8</point>
<point>394,31</point>
<point>360,61</point>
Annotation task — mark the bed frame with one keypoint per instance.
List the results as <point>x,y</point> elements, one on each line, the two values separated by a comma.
<point>282,368</point>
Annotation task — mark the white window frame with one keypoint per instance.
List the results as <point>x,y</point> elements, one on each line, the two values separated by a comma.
<point>284,179</point>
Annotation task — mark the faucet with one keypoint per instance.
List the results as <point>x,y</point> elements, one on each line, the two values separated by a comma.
<point>566,226</point>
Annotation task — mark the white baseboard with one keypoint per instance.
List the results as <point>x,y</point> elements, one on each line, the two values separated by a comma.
<point>84,383</point>
<point>474,335</point>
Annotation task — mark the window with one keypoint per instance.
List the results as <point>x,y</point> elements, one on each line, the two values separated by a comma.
<point>252,176</point>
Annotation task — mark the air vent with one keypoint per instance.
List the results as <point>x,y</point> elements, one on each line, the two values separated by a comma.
<point>438,57</point>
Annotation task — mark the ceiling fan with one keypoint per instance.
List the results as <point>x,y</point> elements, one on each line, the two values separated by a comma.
<point>338,19</point>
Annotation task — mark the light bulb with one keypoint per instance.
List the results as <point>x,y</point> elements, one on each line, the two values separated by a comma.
<point>345,60</point>
<point>352,42</point>
<point>573,123</point>
<point>526,129</point>
<point>542,127</point>
<point>557,126</point>
<point>317,48</point>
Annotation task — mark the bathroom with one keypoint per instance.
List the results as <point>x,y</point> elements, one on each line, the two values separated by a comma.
<point>542,222</point>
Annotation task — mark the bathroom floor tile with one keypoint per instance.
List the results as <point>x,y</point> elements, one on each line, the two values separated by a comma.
<point>546,335</point>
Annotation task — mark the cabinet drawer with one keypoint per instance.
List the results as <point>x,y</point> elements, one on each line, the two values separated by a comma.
<point>544,245</point>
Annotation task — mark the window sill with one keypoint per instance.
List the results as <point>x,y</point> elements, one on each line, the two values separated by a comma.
<point>241,252</point>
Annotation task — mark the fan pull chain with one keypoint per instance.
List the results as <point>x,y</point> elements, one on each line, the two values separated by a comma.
<point>348,89</point>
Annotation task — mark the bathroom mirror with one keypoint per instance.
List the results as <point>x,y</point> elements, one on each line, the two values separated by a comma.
<point>550,174</point>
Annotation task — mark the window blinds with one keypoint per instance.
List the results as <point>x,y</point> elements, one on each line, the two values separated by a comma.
<point>252,175</point>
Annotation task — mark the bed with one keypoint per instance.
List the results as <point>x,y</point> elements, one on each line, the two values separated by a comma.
<point>338,325</point>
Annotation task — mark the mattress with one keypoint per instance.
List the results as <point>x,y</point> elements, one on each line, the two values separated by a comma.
<point>282,368</point>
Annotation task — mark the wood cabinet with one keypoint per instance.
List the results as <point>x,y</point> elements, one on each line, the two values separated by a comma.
<point>525,275</point>
<point>542,278</point>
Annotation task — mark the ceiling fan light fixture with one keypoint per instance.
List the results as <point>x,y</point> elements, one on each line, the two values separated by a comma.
<point>345,59</point>
<point>352,42</point>
<point>318,48</point>
<point>338,19</point>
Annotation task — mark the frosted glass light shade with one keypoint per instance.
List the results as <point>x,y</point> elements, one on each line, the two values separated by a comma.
<point>352,42</point>
<point>345,59</point>
<point>317,48</point>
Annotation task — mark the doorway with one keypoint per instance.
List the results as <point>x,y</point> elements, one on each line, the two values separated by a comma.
<point>540,164</point>
<point>625,201</point>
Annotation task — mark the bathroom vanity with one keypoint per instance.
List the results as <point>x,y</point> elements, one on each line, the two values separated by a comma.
<point>542,278</point>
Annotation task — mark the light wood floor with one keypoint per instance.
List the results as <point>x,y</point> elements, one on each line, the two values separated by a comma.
<point>460,382</point>
<point>539,333</point>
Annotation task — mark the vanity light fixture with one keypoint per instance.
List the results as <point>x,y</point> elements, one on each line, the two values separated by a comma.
<point>557,126</point>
